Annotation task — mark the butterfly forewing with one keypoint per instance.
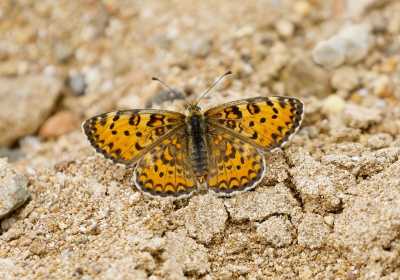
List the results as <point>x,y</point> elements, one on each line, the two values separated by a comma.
<point>126,135</point>
<point>263,122</point>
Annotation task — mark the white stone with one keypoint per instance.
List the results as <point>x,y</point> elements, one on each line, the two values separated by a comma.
<point>285,28</point>
<point>334,103</point>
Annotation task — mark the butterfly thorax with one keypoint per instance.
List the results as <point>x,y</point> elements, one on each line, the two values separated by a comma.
<point>196,129</point>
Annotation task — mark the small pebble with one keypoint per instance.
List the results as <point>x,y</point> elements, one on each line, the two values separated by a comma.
<point>25,241</point>
<point>106,86</point>
<point>334,103</point>
<point>329,220</point>
<point>285,28</point>
<point>38,247</point>
<point>246,30</point>
<point>77,84</point>
<point>381,159</point>
<point>134,199</point>
<point>63,52</point>
<point>61,123</point>
<point>302,8</point>
<point>329,53</point>
<point>82,229</point>
<point>49,70</point>
<point>79,270</point>
<point>356,251</point>
<point>82,240</point>
<point>200,47</point>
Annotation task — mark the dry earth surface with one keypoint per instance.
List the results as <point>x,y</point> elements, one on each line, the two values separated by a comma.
<point>329,205</point>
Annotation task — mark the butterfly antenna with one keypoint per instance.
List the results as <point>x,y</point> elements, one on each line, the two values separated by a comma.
<point>177,93</point>
<point>227,73</point>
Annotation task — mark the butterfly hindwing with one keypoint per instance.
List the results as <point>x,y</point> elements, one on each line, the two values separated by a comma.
<point>125,135</point>
<point>234,165</point>
<point>167,170</point>
<point>263,122</point>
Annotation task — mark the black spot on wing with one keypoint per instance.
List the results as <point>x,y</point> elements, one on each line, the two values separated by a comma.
<point>117,152</point>
<point>138,147</point>
<point>134,120</point>
<point>253,109</point>
<point>103,120</point>
<point>231,124</point>
<point>156,120</point>
<point>274,136</point>
<point>233,112</point>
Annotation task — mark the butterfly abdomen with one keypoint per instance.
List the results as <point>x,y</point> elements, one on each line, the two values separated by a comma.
<point>197,145</point>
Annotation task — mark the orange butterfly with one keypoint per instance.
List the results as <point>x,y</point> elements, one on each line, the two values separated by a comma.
<point>223,147</point>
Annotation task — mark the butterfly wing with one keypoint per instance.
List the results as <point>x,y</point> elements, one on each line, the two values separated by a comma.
<point>167,170</point>
<point>124,136</point>
<point>235,166</point>
<point>263,122</point>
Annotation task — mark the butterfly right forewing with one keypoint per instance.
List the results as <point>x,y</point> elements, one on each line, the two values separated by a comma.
<point>263,122</point>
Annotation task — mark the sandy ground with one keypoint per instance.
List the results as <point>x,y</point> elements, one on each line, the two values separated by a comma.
<point>329,205</point>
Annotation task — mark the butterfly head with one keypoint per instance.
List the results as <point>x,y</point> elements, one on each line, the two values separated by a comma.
<point>194,108</point>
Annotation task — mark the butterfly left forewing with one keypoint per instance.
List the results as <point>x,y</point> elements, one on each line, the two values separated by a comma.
<point>263,122</point>
<point>126,135</point>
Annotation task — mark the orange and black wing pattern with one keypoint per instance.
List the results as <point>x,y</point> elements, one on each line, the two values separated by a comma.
<point>235,166</point>
<point>167,171</point>
<point>124,136</point>
<point>263,122</point>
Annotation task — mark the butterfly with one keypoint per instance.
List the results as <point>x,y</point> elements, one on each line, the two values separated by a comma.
<point>175,153</point>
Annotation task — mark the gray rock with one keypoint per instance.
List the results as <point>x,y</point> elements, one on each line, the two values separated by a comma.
<point>25,103</point>
<point>13,189</point>
<point>349,45</point>
<point>200,47</point>
<point>77,84</point>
